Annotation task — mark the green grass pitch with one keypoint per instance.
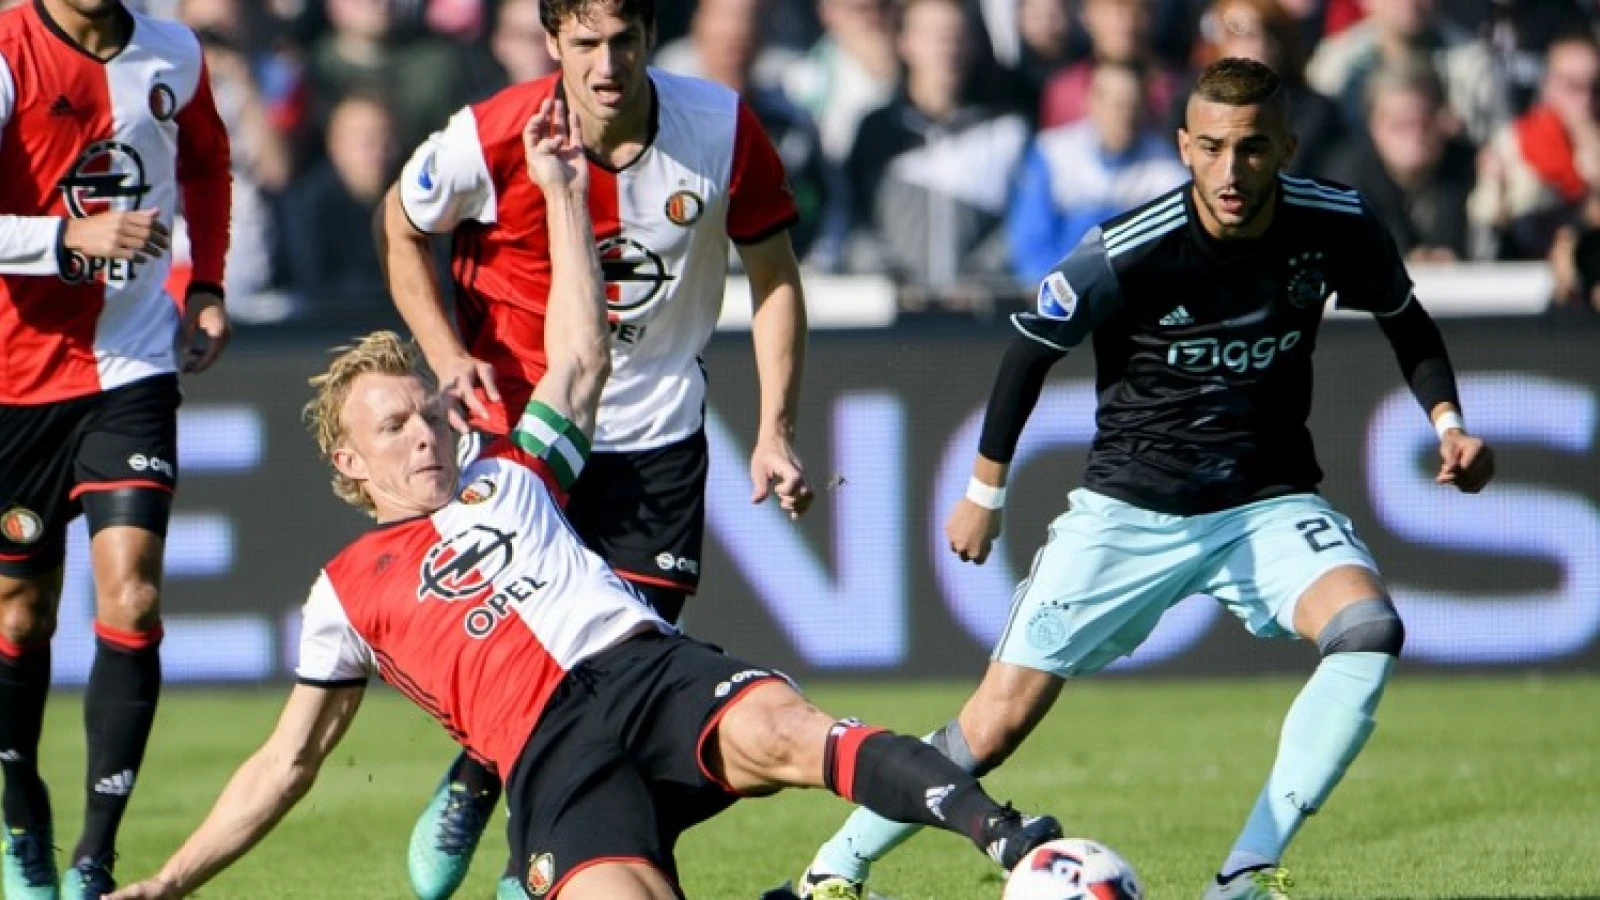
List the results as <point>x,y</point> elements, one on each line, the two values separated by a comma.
<point>1471,788</point>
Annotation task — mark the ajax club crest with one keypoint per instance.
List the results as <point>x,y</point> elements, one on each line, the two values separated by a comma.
<point>1308,284</point>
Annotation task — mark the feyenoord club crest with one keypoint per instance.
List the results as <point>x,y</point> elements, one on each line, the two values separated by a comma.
<point>481,489</point>
<point>541,874</point>
<point>21,525</point>
<point>684,208</point>
<point>163,102</point>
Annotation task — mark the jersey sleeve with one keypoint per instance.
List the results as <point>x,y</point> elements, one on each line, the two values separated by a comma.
<point>547,443</point>
<point>29,245</point>
<point>205,177</point>
<point>1076,295</point>
<point>1375,279</point>
<point>447,181</point>
<point>760,203</point>
<point>332,654</point>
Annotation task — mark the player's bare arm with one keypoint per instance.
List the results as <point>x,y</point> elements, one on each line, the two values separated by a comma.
<point>119,234</point>
<point>974,525</point>
<point>260,793</point>
<point>205,331</point>
<point>577,336</point>
<point>1465,460</point>
<point>778,328</point>
<point>406,254</point>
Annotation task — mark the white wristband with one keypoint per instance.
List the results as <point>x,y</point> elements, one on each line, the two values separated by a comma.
<point>986,495</point>
<point>1447,421</point>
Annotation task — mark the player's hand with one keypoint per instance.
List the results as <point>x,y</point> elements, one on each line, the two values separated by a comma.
<point>972,530</point>
<point>1466,462</point>
<point>776,469</point>
<point>553,143</point>
<point>137,235</point>
<point>149,889</point>
<point>205,331</point>
<point>459,380</point>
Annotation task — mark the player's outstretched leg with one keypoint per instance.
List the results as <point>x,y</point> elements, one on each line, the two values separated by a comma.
<point>446,834</point>
<point>1325,729</point>
<point>30,865</point>
<point>119,704</point>
<point>904,783</point>
<point>1008,704</point>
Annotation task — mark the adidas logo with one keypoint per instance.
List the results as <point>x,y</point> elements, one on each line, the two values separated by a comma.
<point>118,785</point>
<point>62,107</point>
<point>11,756</point>
<point>1179,316</point>
<point>936,797</point>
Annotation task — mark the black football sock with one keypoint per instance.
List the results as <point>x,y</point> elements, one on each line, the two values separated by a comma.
<point>905,780</point>
<point>24,684</point>
<point>475,777</point>
<point>119,707</point>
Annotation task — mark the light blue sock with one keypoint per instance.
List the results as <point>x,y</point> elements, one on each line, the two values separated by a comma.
<point>865,838</point>
<point>868,837</point>
<point>1324,730</point>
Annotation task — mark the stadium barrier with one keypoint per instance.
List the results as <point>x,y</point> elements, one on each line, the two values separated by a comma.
<point>865,586</point>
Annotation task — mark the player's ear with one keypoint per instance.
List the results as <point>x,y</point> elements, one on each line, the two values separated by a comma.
<point>1289,147</point>
<point>349,463</point>
<point>1183,144</point>
<point>552,46</point>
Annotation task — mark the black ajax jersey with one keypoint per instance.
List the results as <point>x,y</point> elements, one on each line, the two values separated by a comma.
<point>1203,347</point>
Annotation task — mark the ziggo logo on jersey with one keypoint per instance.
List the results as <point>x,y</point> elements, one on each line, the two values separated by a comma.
<point>1209,354</point>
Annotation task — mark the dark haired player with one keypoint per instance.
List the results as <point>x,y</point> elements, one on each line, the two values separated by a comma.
<point>474,597</point>
<point>678,167</point>
<point>107,125</point>
<point>1203,305</point>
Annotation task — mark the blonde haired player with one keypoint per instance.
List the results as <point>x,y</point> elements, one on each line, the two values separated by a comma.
<point>476,600</point>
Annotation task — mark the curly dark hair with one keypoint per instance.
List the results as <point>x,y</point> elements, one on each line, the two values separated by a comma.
<point>553,12</point>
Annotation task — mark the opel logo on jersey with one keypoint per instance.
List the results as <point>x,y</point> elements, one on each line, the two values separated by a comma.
<point>635,275</point>
<point>463,566</point>
<point>107,176</point>
<point>684,208</point>
<point>163,102</point>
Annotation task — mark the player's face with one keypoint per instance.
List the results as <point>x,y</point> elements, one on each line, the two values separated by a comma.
<point>1235,154</point>
<point>603,59</point>
<point>399,445</point>
<point>93,9</point>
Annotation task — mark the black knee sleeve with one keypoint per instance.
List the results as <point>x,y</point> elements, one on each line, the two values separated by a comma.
<point>140,507</point>
<point>1366,626</point>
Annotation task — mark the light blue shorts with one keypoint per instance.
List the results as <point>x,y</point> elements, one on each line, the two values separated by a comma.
<point>1109,570</point>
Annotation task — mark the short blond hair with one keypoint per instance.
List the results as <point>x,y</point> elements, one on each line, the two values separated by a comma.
<point>378,353</point>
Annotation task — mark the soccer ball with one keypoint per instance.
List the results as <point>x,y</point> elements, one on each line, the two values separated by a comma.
<point>1073,869</point>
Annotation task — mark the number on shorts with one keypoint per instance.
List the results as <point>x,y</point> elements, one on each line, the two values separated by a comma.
<point>1313,530</point>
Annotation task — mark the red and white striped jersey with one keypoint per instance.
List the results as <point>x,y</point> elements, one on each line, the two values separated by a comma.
<point>662,223</point>
<point>478,611</point>
<point>78,136</point>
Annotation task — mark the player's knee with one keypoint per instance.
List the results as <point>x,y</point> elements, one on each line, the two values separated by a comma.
<point>130,604</point>
<point>1366,626</point>
<point>779,737</point>
<point>27,613</point>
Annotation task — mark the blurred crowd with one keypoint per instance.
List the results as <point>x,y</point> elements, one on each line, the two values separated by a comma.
<point>959,146</point>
